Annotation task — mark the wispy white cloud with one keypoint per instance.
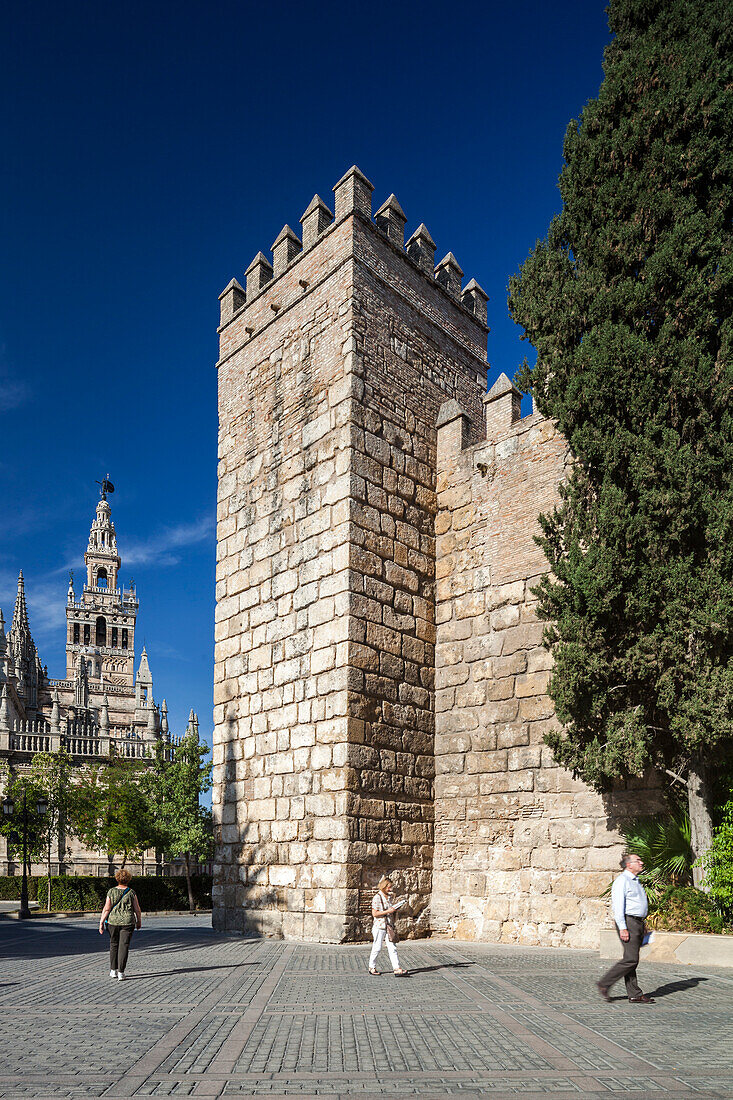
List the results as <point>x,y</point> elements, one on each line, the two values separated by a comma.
<point>165,546</point>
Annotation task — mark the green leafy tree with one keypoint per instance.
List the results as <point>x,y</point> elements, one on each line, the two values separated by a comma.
<point>183,825</point>
<point>628,304</point>
<point>50,773</point>
<point>110,812</point>
<point>15,786</point>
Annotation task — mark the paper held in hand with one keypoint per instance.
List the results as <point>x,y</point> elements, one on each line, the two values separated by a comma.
<point>398,904</point>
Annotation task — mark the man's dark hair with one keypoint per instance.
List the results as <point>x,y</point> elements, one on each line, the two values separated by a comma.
<point>625,859</point>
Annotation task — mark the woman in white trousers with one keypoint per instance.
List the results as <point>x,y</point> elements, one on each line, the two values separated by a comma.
<point>383,914</point>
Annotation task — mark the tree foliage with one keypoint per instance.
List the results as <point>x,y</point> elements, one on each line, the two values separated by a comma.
<point>628,304</point>
<point>16,786</point>
<point>718,864</point>
<point>183,826</point>
<point>110,811</point>
<point>51,772</point>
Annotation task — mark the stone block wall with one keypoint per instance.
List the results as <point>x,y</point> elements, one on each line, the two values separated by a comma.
<point>416,347</point>
<point>380,680</point>
<point>522,850</point>
<point>334,362</point>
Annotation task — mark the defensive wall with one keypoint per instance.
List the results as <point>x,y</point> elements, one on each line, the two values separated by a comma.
<point>376,514</point>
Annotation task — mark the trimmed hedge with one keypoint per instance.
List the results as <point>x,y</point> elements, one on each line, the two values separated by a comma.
<point>685,909</point>
<point>70,893</point>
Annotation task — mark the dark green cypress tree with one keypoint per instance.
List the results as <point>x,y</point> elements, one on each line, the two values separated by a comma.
<point>628,304</point>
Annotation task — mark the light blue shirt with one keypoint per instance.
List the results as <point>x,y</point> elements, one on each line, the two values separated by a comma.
<point>628,898</point>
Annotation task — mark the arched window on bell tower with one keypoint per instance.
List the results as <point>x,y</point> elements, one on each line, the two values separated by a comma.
<point>87,634</point>
<point>124,638</point>
<point>76,633</point>
<point>101,632</point>
<point>102,578</point>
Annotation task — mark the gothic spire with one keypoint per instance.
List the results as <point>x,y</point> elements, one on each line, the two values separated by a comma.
<point>143,671</point>
<point>20,614</point>
<point>55,713</point>
<point>81,683</point>
<point>4,710</point>
<point>3,649</point>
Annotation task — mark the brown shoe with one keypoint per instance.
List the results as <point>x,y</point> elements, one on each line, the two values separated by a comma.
<point>603,991</point>
<point>643,1000</point>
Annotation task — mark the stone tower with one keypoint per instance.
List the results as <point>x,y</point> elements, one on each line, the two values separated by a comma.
<point>334,362</point>
<point>102,623</point>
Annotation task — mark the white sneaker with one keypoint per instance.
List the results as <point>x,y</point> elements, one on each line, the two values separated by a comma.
<point>113,973</point>
<point>120,975</point>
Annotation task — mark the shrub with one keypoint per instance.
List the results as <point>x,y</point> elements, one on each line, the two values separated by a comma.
<point>71,893</point>
<point>717,865</point>
<point>685,909</point>
<point>10,888</point>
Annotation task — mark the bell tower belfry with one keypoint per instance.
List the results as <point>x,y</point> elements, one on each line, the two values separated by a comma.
<point>101,624</point>
<point>101,559</point>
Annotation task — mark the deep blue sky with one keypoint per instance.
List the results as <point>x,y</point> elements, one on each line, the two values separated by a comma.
<point>151,151</point>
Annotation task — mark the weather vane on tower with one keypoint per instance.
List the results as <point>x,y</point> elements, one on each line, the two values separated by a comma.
<point>105,486</point>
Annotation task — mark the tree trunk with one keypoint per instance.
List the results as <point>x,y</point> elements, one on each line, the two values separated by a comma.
<point>48,904</point>
<point>191,904</point>
<point>701,826</point>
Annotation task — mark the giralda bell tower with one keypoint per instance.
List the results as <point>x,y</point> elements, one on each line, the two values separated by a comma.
<point>101,624</point>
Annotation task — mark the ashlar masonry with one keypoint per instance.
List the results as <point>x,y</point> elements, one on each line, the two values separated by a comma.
<point>364,549</point>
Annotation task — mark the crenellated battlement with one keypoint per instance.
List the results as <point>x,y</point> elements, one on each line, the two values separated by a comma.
<point>352,198</point>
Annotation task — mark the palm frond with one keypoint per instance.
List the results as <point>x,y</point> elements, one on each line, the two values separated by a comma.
<point>663,842</point>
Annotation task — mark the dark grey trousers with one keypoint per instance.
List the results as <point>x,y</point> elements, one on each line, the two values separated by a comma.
<point>626,967</point>
<point>119,946</point>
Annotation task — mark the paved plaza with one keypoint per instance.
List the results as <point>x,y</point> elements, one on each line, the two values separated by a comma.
<point>209,1015</point>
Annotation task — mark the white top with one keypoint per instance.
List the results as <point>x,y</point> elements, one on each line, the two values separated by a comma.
<point>380,903</point>
<point>628,898</point>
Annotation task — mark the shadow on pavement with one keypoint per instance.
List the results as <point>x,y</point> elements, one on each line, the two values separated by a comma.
<point>64,939</point>
<point>438,966</point>
<point>187,970</point>
<point>676,987</point>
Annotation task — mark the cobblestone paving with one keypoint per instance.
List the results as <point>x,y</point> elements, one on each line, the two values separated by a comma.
<point>207,1015</point>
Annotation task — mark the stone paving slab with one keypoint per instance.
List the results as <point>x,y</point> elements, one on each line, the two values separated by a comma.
<point>208,1015</point>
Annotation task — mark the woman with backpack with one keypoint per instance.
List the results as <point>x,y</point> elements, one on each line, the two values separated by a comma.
<point>383,929</point>
<point>121,916</point>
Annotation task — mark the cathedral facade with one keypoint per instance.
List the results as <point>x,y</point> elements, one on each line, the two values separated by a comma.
<point>103,705</point>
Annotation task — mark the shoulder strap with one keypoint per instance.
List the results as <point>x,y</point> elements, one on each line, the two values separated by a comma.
<point>127,890</point>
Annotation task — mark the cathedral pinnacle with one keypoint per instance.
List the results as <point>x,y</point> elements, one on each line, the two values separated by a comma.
<point>4,710</point>
<point>20,614</point>
<point>3,648</point>
<point>81,683</point>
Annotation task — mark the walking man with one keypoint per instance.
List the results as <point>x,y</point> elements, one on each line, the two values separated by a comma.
<point>628,898</point>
